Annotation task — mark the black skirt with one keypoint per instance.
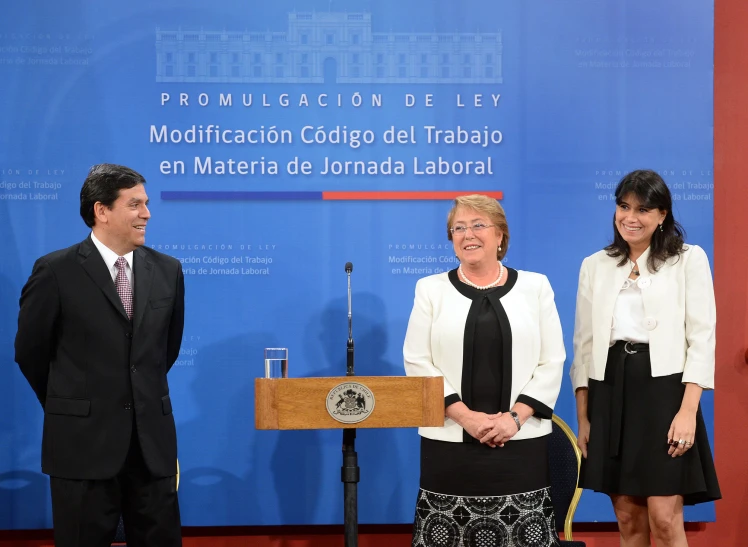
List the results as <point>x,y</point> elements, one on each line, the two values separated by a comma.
<point>630,414</point>
<point>474,469</point>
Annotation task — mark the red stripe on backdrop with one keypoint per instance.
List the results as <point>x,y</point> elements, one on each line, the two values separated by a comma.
<point>401,196</point>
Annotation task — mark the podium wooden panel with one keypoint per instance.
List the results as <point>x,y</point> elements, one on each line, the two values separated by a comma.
<point>299,403</point>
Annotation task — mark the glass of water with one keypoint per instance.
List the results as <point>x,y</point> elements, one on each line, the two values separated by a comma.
<point>276,362</point>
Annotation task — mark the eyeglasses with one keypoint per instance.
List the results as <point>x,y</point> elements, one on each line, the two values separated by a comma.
<point>476,228</point>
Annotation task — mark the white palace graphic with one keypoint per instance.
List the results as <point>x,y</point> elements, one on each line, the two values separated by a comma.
<point>328,47</point>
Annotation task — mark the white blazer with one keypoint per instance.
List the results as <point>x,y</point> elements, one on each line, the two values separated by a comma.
<point>679,308</point>
<point>435,339</point>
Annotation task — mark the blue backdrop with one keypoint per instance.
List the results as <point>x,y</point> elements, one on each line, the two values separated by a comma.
<point>555,100</point>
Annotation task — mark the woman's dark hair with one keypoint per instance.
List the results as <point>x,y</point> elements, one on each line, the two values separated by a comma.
<point>103,183</point>
<point>652,192</point>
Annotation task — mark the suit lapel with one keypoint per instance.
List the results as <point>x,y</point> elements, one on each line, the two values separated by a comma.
<point>618,276</point>
<point>143,269</point>
<point>645,282</point>
<point>92,262</point>
<point>642,263</point>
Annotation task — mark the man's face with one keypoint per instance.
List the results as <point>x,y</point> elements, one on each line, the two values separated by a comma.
<point>124,223</point>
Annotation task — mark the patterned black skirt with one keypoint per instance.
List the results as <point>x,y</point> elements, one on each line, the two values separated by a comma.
<point>517,520</point>
<point>475,496</point>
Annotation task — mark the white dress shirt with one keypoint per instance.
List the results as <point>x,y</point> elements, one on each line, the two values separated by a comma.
<point>628,315</point>
<point>110,257</point>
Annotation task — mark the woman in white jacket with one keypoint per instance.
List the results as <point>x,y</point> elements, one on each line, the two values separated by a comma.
<point>643,353</point>
<point>494,335</point>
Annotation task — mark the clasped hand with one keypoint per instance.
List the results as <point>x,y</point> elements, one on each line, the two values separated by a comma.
<point>492,429</point>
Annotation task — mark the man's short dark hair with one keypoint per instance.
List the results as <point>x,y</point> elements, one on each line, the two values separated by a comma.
<point>103,183</point>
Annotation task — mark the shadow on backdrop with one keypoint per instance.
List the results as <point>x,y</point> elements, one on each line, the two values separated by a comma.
<point>219,452</point>
<point>303,459</point>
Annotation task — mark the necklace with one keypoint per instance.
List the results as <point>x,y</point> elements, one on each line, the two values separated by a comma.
<point>479,287</point>
<point>635,270</point>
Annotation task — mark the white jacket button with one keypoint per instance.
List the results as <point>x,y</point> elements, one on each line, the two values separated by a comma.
<point>650,323</point>
<point>644,282</point>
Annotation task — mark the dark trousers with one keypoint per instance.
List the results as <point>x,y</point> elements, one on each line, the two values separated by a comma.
<point>85,513</point>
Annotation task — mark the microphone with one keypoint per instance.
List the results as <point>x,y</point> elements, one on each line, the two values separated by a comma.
<point>349,473</point>
<point>349,363</point>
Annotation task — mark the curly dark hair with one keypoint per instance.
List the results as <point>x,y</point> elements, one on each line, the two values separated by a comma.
<point>652,192</point>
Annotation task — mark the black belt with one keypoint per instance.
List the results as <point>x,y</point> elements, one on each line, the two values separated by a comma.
<point>617,356</point>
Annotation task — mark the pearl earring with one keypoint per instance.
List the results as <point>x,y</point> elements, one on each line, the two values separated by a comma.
<point>661,227</point>
<point>499,248</point>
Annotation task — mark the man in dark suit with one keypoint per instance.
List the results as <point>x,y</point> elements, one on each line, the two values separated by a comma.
<point>100,325</point>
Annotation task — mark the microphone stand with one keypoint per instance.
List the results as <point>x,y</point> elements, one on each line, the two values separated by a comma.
<point>350,472</point>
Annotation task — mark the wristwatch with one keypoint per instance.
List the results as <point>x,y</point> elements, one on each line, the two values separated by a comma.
<point>515,416</point>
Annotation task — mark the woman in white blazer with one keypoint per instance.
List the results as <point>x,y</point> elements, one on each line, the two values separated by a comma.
<point>643,353</point>
<point>494,335</point>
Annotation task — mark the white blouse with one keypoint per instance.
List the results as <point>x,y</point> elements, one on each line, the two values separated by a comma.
<point>628,315</point>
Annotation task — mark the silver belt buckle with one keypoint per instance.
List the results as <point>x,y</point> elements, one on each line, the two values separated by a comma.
<point>627,350</point>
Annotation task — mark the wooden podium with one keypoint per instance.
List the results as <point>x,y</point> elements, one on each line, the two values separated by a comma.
<point>386,401</point>
<point>299,403</point>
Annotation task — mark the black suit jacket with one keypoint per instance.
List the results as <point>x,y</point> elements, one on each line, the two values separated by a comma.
<point>94,370</point>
